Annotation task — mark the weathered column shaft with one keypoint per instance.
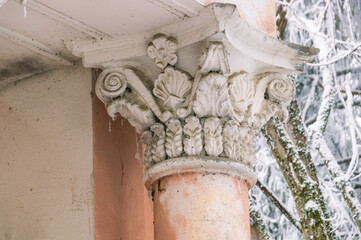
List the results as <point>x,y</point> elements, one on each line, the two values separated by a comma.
<point>197,206</point>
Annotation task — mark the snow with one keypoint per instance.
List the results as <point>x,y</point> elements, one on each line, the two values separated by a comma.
<point>329,96</point>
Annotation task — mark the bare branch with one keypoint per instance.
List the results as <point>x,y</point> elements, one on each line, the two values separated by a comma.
<point>278,204</point>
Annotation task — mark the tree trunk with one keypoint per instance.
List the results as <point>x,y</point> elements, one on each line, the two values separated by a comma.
<point>303,185</point>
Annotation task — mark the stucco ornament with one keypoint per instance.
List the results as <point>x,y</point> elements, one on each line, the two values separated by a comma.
<point>173,145</point>
<point>216,114</point>
<point>241,92</point>
<point>212,98</point>
<point>111,85</point>
<point>172,87</point>
<point>193,143</point>
<point>157,146</point>
<point>213,136</point>
<point>231,139</point>
<point>214,58</point>
<point>163,50</point>
<point>202,113</point>
<point>280,90</point>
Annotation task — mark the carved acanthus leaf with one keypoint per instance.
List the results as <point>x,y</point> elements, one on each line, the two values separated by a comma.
<point>248,154</point>
<point>247,137</point>
<point>192,136</point>
<point>158,142</point>
<point>212,97</point>
<point>241,92</point>
<point>213,136</point>
<point>163,50</point>
<point>231,139</point>
<point>146,138</point>
<point>173,145</point>
<point>172,87</point>
<point>214,59</point>
<point>134,109</point>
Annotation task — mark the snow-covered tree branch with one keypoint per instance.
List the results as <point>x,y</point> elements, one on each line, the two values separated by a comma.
<point>324,125</point>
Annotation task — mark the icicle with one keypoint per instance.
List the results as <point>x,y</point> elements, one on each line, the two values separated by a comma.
<point>137,154</point>
<point>110,126</point>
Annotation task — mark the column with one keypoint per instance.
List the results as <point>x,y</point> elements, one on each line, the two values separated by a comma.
<point>198,97</point>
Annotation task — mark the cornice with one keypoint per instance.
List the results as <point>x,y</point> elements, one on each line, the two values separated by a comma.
<point>102,52</point>
<point>217,21</point>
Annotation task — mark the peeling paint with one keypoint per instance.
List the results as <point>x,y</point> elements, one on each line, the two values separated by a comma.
<point>201,206</point>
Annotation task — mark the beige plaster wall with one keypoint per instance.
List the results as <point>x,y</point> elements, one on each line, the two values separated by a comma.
<point>46,180</point>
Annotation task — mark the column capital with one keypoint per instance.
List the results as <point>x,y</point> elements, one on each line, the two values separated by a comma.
<point>210,105</point>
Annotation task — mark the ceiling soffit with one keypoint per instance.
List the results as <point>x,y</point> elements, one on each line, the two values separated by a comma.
<point>38,38</point>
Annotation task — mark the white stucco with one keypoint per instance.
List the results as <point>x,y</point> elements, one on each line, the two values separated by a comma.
<point>46,182</point>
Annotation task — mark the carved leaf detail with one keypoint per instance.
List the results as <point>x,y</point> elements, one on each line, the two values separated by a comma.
<point>248,154</point>
<point>172,86</point>
<point>192,136</point>
<point>231,139</point>
<point>212,97</point>
<point>173,143</point>
<point>247,137</point>
<point>163,50</point>
<point>158,142</point>
<point>146,138</point>
<point>212,136</point>
<point>214,59</point>
<point>241,92</point>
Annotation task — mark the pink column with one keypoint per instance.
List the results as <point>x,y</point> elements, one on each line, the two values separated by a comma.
<point>200,198</point>
<point>201,206</point>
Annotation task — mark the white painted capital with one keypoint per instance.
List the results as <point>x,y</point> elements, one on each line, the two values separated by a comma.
<point>210,105</point>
